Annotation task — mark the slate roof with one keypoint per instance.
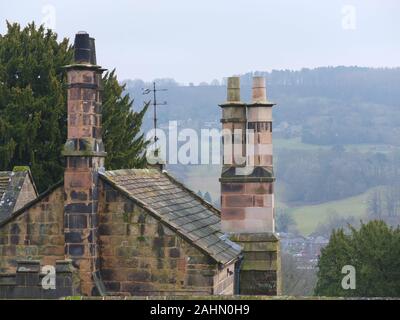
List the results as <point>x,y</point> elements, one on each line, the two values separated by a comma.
<point>178,207</point>
<point>11,183</point>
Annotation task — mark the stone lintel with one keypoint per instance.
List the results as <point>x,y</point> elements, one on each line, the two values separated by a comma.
<point>228,120</point>
<point>245,179</point>
<point>258,104</point>
<point>94,86</point>
<point>232,104</point>
<point>28,266</point>
<point>255,237</point>
<point>84,66</point>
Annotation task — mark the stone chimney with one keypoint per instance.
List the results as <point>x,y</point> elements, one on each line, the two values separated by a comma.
<point>247,194</point>
<point>84,157</point>
<point>234,126</point>
<point>259,121</point>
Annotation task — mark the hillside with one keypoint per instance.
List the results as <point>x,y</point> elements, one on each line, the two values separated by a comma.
<point>341,125</point>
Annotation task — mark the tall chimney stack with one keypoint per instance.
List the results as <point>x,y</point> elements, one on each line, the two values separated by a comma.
<point>84,156</point>
<point>234,126</point>
<point>247,195</point>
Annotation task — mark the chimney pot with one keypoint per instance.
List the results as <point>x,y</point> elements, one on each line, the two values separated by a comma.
<point>259,92</point>
<point>82,44</point>
<point>233,91</point>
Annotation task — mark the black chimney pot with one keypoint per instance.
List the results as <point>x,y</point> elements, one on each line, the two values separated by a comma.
<point>82,46</point>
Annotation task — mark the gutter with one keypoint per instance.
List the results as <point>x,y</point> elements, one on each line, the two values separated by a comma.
<point>237,273</point>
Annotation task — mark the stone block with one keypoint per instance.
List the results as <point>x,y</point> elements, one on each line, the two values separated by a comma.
<point>76,221</point>
<point>259,188</point>
<point>237,201</point>
<point>259,283</point>
<point>232,213</point>
<point>112,286</point>
<point>139,275</point>
<point>232,188</point>
<point>259,246</point>
<point>75,250</point>
<point>138,288</point>
<point>232,226</point>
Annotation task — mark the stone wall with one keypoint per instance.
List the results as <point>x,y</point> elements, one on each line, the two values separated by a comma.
<point>141,256</point>
<point>260,269</point>
<point>224,281</point>
<point>36,233</point>
<point>27,282</point>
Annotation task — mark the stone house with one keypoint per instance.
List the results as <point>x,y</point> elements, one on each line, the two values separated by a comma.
<point>125,232</point>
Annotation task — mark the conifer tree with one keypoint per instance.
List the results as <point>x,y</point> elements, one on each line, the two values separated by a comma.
<point>33,107</point>
<point>373,251</point>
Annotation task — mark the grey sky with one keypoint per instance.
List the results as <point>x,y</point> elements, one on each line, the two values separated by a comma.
<point>195,41</point>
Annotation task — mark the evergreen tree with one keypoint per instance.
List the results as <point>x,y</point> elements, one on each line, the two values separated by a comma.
<point>374,252</point>
<point>33,101</point>
<point>33,107</point>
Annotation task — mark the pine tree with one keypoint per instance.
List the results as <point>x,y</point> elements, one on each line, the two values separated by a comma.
<point>33,108</point>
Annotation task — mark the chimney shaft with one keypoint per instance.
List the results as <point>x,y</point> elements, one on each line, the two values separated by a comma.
<point>84,154</point>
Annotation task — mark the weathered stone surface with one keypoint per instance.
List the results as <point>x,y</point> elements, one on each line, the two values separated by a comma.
<point>140,256</point>
<point>25,282</point>
<point>261,265</point>
<point>31,236</point>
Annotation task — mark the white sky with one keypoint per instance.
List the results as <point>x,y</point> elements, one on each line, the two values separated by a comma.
<point>200,40</point>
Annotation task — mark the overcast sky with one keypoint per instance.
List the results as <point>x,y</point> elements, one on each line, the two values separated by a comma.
<point>201,40</point>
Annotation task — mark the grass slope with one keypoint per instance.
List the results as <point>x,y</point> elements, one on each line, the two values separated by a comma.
<point>309,217</point>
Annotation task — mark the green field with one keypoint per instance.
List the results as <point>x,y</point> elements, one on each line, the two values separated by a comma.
<point>309,217</point>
